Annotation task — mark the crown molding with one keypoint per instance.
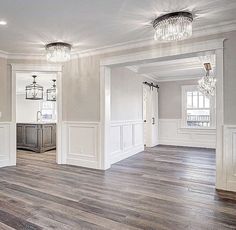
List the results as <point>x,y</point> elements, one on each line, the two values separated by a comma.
<point>199,32</point>
<point>174,78</point>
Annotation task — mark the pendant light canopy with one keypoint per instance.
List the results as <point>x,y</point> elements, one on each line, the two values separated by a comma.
<point>52,92</point>
<point>58,52</point>
<point>173,26</point>
<point>34,91</point>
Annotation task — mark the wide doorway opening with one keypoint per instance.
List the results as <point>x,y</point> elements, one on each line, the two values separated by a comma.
<point>36,116</point>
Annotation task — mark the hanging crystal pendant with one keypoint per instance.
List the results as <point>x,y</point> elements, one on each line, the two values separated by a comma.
<point>173,27</point>
<point>52,93</point>
<point>207,85</point>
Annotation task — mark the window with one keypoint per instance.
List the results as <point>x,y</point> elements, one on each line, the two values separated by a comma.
<point>48,109</point>
<point>198,111</point>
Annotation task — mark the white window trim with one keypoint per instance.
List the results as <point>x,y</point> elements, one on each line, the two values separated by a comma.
<point>186,88</point>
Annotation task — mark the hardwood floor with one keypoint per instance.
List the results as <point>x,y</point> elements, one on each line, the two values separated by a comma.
<point>161,188</point>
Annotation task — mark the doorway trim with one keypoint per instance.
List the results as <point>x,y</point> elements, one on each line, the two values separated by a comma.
<point>188,49</point>
<point>55,69</point>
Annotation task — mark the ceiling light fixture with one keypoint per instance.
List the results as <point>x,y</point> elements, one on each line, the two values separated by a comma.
<point>3,23</point>
<point>207,84</point>
<point>52,92</point>
<point>34,91</point>
<point>58,52</point>
<point>173,26</point>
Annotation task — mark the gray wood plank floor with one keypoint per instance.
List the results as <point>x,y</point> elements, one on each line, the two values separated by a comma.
<point>161,188</point>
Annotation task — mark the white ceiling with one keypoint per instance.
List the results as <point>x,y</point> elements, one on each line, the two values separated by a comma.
<point>90,24</point>
<point>178,69</point>
<point>24,79</point>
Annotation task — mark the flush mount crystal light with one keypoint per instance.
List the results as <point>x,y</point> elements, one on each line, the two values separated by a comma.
<point>34,91</point>
<point>173,26</point>
<point>52,92</point>
<point>58,52</point>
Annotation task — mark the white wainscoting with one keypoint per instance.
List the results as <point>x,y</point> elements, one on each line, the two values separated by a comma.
<point>5,144</point>
<point>81,144</point>
<point>171,133</point>
<point>230,156</point>
<point>126,139</point>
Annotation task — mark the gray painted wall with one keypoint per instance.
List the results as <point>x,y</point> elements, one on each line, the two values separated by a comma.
<point>126,95</point>
<point>81,95</point>
<point>170,98</point>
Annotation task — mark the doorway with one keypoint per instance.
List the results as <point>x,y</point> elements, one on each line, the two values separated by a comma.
<point>36,115</point>
<point>182,50</point>
<point>40,122</point>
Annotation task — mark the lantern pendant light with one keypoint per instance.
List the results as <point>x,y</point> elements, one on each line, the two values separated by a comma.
<point>34,91</point>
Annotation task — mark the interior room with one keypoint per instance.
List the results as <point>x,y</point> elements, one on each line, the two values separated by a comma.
<point>36,115</point>
<point>118,115</point>
<point>166,106</point>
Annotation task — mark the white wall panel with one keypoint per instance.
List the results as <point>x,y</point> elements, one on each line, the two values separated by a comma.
<point>171,133</point>
<point>126,139</point>
<point>82,144</point>
<point>4,144</point>
<point>230,156</point>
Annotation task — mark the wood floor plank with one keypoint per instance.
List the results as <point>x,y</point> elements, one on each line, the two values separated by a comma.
<point>164,187</point>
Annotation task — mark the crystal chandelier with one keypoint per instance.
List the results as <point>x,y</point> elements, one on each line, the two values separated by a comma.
<point>52,92</point>
<point>207,84</point>
<point>34,91</point>
<point>58,52</point>
<point>173,26</point>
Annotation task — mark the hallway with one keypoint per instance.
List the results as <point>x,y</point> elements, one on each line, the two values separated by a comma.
<point>161,188</point>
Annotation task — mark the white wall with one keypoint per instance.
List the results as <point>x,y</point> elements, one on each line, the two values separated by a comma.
<point>126,114</point>
<point>26,110</point>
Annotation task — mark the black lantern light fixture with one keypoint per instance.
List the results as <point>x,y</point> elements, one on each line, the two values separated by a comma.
<point>34,91</point>
<point>52,92</point>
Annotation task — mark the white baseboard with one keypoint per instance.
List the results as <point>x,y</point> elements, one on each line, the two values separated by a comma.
<point>171,133</point>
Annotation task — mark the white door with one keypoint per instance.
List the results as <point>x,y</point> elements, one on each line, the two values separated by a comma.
<point>154,117</point>
<point>150,116</point>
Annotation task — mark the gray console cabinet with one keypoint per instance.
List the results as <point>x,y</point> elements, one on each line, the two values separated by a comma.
<point>39,137</point>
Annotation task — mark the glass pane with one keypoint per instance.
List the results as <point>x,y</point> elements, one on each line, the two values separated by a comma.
<point>195,101</point>
<point>207,102</point>
<point>189,100</point>
<point>198,118</point>
<point>201,98</point>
